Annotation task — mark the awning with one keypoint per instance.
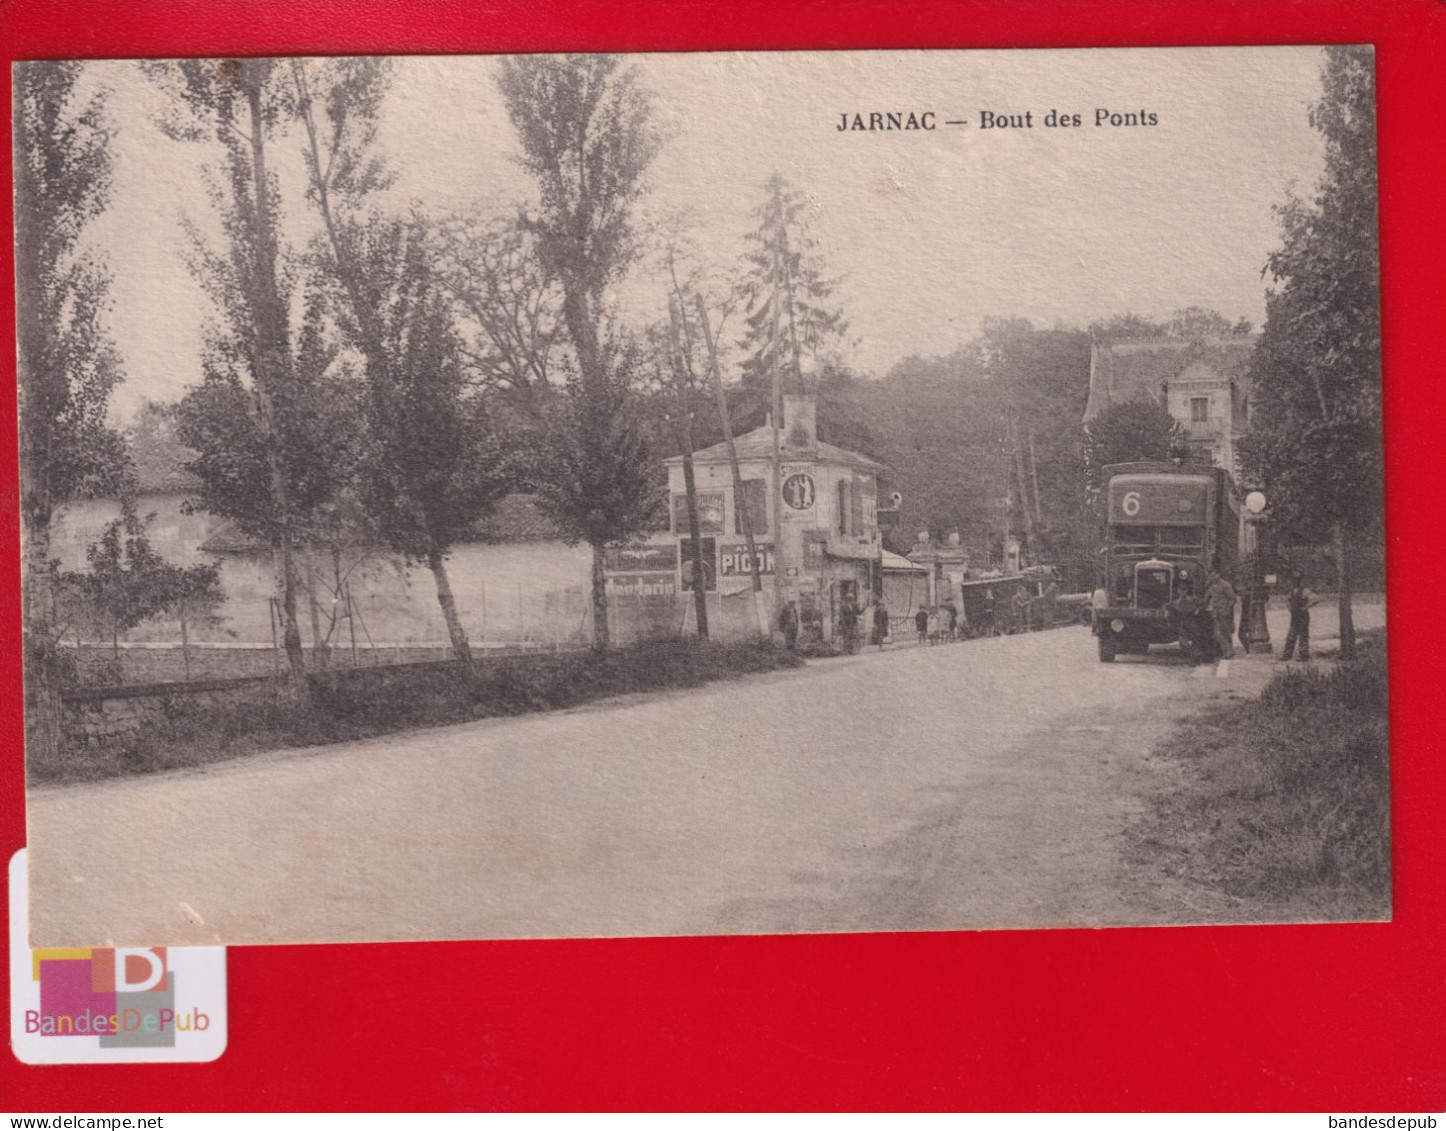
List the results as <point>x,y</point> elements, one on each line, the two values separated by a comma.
<point>897,563</point>
<point>852,551</point>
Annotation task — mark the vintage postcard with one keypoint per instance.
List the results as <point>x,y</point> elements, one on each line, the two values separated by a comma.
<point>597,495</point>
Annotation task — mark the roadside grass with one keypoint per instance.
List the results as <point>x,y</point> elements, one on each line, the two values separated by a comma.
<point>352,704</point>
<point>1284,804</point>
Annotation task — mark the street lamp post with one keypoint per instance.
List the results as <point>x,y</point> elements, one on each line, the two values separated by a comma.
<point>1257,630</point>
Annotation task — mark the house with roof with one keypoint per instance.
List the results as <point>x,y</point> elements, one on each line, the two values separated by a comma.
<point>816,533</point>
<point>1203,383</point>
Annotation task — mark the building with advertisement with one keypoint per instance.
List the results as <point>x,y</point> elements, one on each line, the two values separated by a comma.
<point>815,534</point>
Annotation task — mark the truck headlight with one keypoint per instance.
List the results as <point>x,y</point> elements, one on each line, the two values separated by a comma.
<point>1117,625</point>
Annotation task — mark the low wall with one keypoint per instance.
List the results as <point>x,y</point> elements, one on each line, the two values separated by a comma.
<point>116,715</point>
<point>104,716</point>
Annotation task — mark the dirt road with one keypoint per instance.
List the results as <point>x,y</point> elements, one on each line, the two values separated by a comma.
<point>986,784</point>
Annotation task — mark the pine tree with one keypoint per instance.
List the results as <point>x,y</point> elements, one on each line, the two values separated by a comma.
<point>792,327</point>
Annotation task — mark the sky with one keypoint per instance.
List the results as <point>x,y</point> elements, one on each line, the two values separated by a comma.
<point>928,231</point>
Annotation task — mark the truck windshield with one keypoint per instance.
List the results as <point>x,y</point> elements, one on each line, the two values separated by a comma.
<point>1157,541</point>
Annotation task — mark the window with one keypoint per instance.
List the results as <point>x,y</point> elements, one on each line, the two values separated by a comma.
<point>1199,410</point>
<point>844,507</point>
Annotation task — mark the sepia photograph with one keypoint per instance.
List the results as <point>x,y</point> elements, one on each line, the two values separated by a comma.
<point>483,497</point>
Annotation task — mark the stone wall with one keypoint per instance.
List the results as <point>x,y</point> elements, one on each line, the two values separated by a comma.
<point>105,716</point>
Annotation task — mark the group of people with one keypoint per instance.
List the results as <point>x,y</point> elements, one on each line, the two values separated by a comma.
<point>944,623</point>
<point>1217,606</point>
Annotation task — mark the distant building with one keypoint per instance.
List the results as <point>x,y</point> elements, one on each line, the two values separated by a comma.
<point>1203,383</point>
<point>825,510</point>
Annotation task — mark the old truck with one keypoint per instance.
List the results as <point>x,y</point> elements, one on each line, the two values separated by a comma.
<point>1168,525</point>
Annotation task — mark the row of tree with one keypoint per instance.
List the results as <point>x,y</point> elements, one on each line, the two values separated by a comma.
<point>387,380</point>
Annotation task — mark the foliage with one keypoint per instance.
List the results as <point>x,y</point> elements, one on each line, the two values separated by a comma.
<point>1316,435</point>
<point>433,466</point>
<point>68,363</point>
<point>243,104</point>
<point>129,583</point>
<point>1131,431</point>
<point>1192,323</point>
<point>350,704</point>
<point>222,421</point>
<point>508,306</point>
<point>792,325</point>
<point>1285,802</point>
<point>587,131</point>
<point>1316,427</point>
<point>587,135</point>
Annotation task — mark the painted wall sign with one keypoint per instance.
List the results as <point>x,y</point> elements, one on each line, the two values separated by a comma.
<point>800,492</point>
<point>641,559</point>
<point>710,513</point>
<point>646,588</point>
<point>733,560</point>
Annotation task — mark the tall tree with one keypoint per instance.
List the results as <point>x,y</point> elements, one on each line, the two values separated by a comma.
<point>587,134</point>
<point>67,363</point>
<point>793,327</point>
<point>433,469</point>
<point>1130,432</point>
<point>241,104</point>
<point>1315,440</point>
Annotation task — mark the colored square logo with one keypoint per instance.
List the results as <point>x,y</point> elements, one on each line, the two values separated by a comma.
<point>122,1005</point>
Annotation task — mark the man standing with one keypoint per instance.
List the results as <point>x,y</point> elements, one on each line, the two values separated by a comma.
<point>1220,604</point>
<point>986,618</point>
<point>921,624</point>
<point>788,624</point>
<point>848,623</point>
<point>881,625</point>
<point>1299,601</point>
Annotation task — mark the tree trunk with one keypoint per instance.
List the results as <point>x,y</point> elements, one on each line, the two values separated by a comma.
<point>601,632</point>
<point>290,630</point>
<point>185,645</point>
<point>320,647</point>
<point>461,649</point>
<point>43,726</point>
<point>695,531</point>
<point>1339,540</point>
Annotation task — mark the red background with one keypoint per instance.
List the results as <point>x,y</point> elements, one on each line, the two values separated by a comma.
<point>1287,1018</point>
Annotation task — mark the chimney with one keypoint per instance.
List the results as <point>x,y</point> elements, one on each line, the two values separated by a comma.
<point>800,421</point>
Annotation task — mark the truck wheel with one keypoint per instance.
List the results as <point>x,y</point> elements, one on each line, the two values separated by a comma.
<point>1107,650</point>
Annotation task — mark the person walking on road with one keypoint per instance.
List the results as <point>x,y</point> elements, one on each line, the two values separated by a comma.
<point>881,625</point>
<point>1299,601</point>
<point>986,615</point>
<point>1220,604</point>
<point>951,618</point>
<point>788,624</point>
<point>921,624</point>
